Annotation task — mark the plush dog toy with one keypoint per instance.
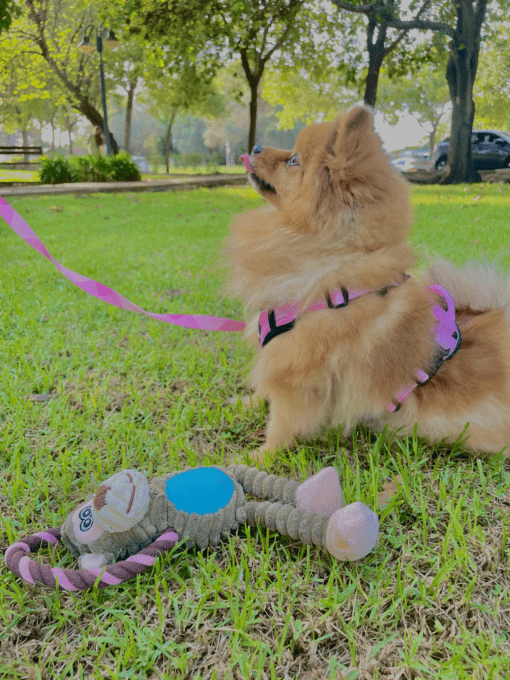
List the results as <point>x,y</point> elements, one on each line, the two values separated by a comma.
<point>136,521</point>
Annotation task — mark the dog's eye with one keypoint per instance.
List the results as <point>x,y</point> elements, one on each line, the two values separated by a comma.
<point>292,161</point>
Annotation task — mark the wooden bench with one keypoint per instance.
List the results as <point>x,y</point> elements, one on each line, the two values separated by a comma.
<point>17,150</point>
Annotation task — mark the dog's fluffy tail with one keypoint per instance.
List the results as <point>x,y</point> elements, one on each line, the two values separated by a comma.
<point>479,285</point>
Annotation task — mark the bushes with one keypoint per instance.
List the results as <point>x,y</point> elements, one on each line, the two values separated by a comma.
<point>195,160</point>
<point>59,169</point>
<point>56,170</point>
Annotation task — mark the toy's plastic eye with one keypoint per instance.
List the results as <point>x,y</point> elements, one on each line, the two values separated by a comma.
<point>84,527</point>
<point>292,161</point>
<point>86,519</point>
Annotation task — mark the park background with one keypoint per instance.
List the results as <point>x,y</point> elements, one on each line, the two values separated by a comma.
<point>86,389</point>
<point>189,83</point>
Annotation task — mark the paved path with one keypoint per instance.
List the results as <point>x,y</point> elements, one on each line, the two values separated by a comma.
<point>178,184</point>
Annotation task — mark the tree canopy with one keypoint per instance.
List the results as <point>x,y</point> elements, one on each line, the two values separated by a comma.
<point>253,32</point>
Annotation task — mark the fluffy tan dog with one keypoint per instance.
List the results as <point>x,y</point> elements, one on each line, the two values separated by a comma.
<point>339,219</point>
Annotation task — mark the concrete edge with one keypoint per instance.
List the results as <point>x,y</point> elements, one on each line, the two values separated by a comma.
<point>118,187</point>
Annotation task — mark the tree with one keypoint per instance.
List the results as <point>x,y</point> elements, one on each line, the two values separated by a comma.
<point>25,90</point>
<point>378,15</point>
<point>9,10</point>
<point>210,32</point>
<point>422,94</point>
<point>167,93</point>
<point>492,87</point>
<point>126,69</point>
<point>306,97</point>
<point>51,30</point>
<point>462,22</point>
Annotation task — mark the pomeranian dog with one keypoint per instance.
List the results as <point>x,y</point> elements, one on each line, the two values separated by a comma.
<point>344,334</point>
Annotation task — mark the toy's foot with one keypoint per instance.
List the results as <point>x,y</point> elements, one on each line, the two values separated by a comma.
<point>352,532</point>
<point>321,493</point>
<point>91,561</point>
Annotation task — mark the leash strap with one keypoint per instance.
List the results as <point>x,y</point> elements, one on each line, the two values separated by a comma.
<point>106,294</point>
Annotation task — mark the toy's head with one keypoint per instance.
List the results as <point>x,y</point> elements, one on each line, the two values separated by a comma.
<point>120,504</point>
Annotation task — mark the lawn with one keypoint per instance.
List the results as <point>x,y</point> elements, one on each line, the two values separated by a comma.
<point>7,175</point>
<point>86,389</point>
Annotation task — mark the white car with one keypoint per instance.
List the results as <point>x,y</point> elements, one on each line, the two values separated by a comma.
<point>141,163</point>
<point>411,164</point>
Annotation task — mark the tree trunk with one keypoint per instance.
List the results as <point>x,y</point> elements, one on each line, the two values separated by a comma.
<point>376,54</point>
<point>254,89</point>
<point>459,167</point>
<point>52,123</point>
<point>460,75</point>
<point>168,138</point>
<point>432,143</point>
<point>69,132</point>
<point>24,137</point>
<point>374,68</point>
<point>129,110</point>
<point>253,78</point>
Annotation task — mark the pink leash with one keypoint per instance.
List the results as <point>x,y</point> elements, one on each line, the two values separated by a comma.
<point>102,292</point>
<point>444,330</point>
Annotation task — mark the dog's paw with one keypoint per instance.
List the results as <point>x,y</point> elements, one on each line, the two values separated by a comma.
<point>259,457</point>
<point>248,401</point>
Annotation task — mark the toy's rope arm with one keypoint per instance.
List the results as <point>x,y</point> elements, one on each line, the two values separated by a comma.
<point>263,485</point>
<point>17,560</point>
<point>304,525</point>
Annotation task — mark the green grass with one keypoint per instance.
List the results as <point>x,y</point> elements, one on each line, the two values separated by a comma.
<point>7,175</point>
<point>120,389</point>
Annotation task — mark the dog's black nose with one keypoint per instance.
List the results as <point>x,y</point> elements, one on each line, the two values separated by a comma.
<point>256,149</point>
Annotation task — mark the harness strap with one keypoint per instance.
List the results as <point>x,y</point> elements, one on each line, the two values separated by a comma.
<point>273,322</point>
<point>447,336</point>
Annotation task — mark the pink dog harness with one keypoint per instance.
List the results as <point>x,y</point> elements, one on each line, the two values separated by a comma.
<point>447,334</point>
<point>273,322</point>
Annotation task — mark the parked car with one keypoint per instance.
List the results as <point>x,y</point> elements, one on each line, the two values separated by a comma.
<point>411,163</point>
<point>489,149</point>
<point>141,163</point>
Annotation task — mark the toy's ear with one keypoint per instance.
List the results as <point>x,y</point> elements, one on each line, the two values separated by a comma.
<point>121,501</point>
<point>352,532</point>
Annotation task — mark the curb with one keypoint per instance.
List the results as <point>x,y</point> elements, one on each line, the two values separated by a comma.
<point>500,175</point>
<point>117,187</point>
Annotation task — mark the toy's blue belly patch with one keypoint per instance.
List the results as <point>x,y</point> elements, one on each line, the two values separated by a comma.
<point>203,491</point>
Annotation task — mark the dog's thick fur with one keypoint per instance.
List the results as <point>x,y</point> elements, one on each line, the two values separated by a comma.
<point>340,217</point>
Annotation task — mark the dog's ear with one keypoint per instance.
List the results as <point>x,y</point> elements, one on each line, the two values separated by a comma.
<point>352,140</point>
<point>357,125</point>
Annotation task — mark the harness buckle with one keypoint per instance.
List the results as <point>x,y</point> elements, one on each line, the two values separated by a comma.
<point>344,303</point>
